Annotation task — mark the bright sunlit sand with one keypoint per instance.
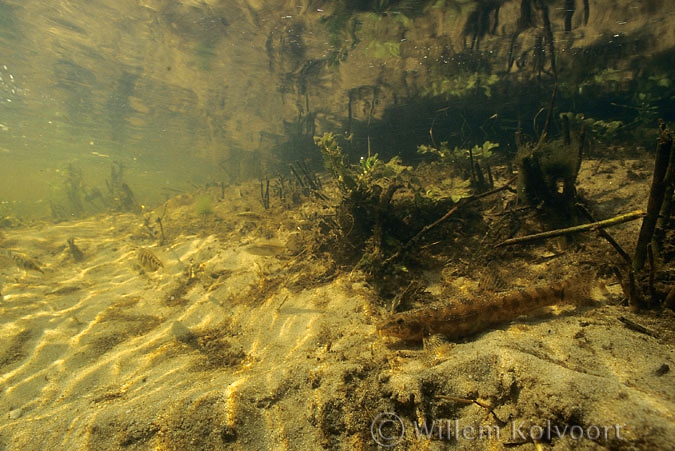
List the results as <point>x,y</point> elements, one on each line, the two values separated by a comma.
<point>232,342</point>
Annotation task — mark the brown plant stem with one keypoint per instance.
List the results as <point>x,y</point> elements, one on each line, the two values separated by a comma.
<point>467,200</point>
<point>656,195</point>
<point>603,233</point>
<point>576,229</point>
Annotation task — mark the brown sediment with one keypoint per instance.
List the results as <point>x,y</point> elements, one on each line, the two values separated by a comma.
<point>460,320</point>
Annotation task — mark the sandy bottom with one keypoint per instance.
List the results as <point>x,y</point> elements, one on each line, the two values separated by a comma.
<point>224,347</point>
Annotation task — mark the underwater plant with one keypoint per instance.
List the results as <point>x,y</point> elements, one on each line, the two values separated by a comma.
<point>453,156</point>
<point>365,221</point>
<point>469,162</point>
<point>385,211</point>
<point>454,188</point>
<point>123,198</point>
<point>362,177</point>
<point>459,85</point>
<point>547,174</point>
<point>335,161</point>
<point>74,185</point>
<point>203,206</point>
<point>603,131</point>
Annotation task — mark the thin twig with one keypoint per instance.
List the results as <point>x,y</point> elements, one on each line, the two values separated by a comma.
<point>603,233</point>
<point>637,214</point>
<point>632,325</point>
<point>452,211</point>
<point>476,401</point>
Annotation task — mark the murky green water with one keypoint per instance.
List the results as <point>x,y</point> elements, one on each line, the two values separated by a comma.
<point>185,94</point>
<point>302,224</point>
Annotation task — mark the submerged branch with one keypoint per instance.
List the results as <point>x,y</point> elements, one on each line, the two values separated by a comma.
<point>637,214</point>
<point>603,233</point>
<point>467,200</point>
<point>656,196</point>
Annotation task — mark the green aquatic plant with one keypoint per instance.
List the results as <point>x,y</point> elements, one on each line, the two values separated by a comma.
<point>383,50</point>
<point>74,186</point>
<point>368,164</point>
<point>361,177</point>
<point>443,152</point>
<point>123,198</point>
<point>365,221</point>
<point>454,188</point>
<point>603,131</point>
<point>661,80</point>
<point>463,84</point>
<point>466,161</point>
<point>373,170</point>
<point>336,161</point>
<point>484,150</point>
<point>386,207</point>
<point>203,206</point>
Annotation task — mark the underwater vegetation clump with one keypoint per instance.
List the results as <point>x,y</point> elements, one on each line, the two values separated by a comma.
<point>364,217</point>
<point>463,85</point>
<point>393,220</point>
<point>601,131</point>
<point>472,164</point>
<point>384,206</point>
<point>76,198</point>
<point>123,198</point>
<point>203,206</point>
<point>547,174</point>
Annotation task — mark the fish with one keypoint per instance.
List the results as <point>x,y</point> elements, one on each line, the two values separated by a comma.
<point>266,248</point>
<point>25,262</point>
<point>148,260</point>
<point>463,319</point>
